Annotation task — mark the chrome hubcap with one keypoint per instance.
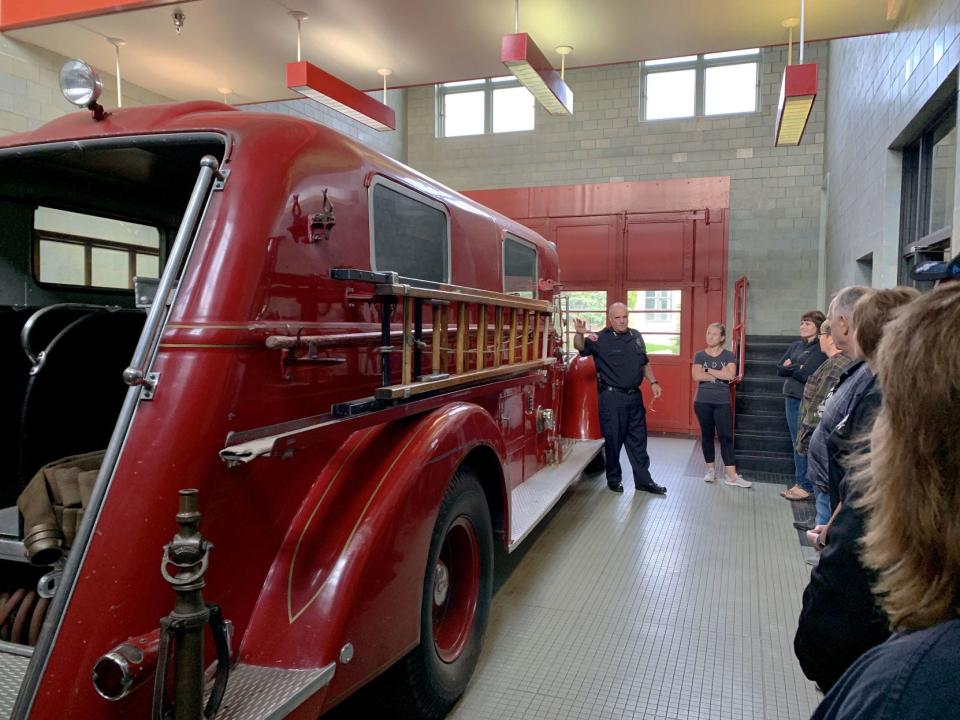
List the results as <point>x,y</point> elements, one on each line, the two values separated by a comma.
<point>441,583</point>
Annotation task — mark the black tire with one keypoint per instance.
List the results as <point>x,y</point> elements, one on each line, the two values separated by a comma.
<point>598,464</point>
<point>425,684</point>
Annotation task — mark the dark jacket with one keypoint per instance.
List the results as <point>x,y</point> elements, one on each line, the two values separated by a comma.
<point>840,619</point>
<point>805,358</point>
<point>851,437</point>
<point>835,408</point>
<point>910,677</point>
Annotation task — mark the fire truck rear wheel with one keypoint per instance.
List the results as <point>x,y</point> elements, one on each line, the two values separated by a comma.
<point>454,607</point>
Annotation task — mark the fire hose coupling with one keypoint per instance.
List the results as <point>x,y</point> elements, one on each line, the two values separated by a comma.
<point>189,551</point>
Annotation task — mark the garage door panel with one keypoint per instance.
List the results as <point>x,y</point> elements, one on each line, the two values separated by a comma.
<point>659,251</point>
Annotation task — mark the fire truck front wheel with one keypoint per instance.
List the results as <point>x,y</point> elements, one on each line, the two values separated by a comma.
<point>456,600</point>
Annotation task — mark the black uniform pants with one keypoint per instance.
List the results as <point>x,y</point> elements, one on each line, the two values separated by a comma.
<point>623,420</point>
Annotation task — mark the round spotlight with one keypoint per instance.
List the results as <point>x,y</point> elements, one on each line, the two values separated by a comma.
<point>80,83</point>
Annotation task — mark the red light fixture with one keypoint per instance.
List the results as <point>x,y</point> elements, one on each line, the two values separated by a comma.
<point>797,93</point>
<point>524,59</point>
<point>316,84</point>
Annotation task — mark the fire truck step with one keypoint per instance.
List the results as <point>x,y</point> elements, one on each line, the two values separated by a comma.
<point>531,500</point>
<point>13,666</point>
<point>254,691</point>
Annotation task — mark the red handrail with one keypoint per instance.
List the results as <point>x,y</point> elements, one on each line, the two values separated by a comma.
<point>739,337</point>
<point>739,334</point>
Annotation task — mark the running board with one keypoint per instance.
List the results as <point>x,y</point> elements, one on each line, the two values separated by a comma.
<point>270,693</point>
<point>532,500</point>
<point>13,666</point>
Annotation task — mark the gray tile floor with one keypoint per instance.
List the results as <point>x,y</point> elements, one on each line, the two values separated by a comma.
<point>637,606</point>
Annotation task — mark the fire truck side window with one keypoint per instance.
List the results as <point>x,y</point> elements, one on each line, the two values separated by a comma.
<point>88,251</point>
<point>410,235</point>
<point>519,268</point>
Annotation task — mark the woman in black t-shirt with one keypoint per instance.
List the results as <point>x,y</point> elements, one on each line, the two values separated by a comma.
<point>713,368</point>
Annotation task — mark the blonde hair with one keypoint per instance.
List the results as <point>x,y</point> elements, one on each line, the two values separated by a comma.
<point>911,476</point>
<point>721,327</point>
<point>873,311</point>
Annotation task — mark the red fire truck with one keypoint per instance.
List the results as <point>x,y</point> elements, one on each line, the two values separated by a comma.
<point>354,372</point>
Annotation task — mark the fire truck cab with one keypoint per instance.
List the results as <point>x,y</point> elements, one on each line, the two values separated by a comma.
<point>353,373</point>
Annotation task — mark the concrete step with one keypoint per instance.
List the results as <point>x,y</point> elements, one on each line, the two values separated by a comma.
<point>769,423</point>
<point>765,462</point>
<point>754,404</point>
<point>785,339</point>
<point>763,442</point>
<point>761,368</point>
<point>765,351</point>
<point>760,385</point>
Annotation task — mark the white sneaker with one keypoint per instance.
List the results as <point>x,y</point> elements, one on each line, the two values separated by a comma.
<point>738,481</point>
<point>710,476</point>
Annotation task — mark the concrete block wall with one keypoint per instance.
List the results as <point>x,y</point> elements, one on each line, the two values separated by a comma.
<point>30,89</point>
<point>877,87</point>
<point>775,192</point>
<point>389,143</point>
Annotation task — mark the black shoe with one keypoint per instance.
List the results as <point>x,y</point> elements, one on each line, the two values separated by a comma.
<point>653,488</point>
<point>615,487</point>
<point>802,525</point>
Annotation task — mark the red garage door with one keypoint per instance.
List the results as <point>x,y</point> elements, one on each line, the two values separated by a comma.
<point>663,254</point>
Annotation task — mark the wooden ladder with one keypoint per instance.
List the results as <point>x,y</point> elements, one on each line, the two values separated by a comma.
<point>520,336</point>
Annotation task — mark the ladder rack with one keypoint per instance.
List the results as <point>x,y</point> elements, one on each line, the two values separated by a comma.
<point>519,342</point>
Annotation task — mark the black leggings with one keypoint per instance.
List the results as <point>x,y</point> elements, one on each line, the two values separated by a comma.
<point>716,418</point>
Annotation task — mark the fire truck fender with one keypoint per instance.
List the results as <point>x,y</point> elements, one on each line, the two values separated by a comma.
<point>347,583</point>
<point>580,416</point>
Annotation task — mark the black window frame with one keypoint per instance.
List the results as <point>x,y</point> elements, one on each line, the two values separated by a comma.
<point>503,263</point>
<point>918,241</point>
<point>411,194</point>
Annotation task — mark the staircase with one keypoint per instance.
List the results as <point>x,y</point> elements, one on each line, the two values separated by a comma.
<point>762,438</point>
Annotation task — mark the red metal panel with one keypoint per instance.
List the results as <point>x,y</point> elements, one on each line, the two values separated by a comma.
<point>646,196</point>
<point>28,13</point>
<point>585,246</point>
<point>659,251</point>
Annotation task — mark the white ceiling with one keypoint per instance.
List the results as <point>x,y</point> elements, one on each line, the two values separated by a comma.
<point>245,44</point>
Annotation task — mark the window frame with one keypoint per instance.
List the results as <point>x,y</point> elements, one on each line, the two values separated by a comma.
<point>919,242</point>
<point>89,244</point>
<point>487,86</point>
<point>416,196</point>
<point>700,65</point>
<point>503,263</point>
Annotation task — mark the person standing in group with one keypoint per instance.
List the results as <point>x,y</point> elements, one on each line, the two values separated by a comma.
<point>815,394</point>
<point>798,363</point>
<point>713,369</point>
<point>909,488</point>
<point>621,359</point>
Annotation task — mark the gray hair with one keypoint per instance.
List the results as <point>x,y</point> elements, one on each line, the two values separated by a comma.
<point>844,301</point>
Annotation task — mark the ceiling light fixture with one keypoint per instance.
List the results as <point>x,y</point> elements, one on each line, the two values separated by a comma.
<point>797,92</point>
<point>524,59</point>
<point>316,84</point>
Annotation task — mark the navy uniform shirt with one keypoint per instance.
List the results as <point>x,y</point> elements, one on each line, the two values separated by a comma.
<point>620,357</point>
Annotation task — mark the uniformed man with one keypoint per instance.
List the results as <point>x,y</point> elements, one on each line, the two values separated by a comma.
<point>621,358</point>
